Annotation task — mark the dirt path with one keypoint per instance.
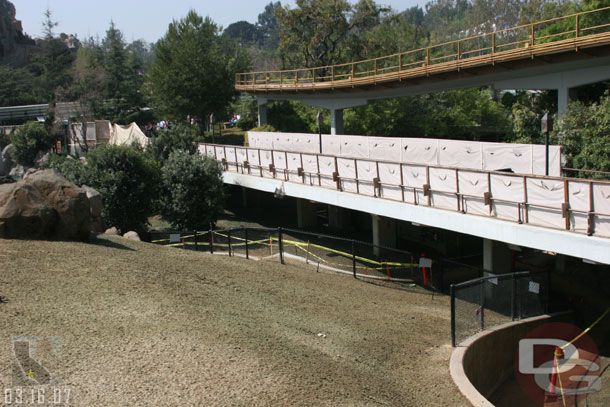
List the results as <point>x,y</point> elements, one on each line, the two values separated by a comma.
<point>146,325</point>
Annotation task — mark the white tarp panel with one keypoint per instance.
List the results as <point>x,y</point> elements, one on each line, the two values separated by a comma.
<point>103,130</point>
<point>384,148</point>
<point>354,146</point>
<point>92,135</point>
<point>253,160</point>
<point>242,155</point>
<point>473,186</point>
<point>209,150</point>
<point>460,154</point>
<point>231,158</point>
<point>305,143</point>
<point>262,139</point>
<point>220,153</point>
<point>548,193</point>
<point>539,160</point>
<point>310,166</point>
<point>347,169</point>
<point>283,142</point>
<point>390,174</point>
<point>327,167</point>
<point>578,196</point>
<point>279,160</point>
<point>367,171</point>
<point>507,188</point>
<point>419,151</point>
<point>414,176</point>
<point>266,159</point>
<point>125,135</point>
<point>294,163</point>
<point>331,145</point>
<point>601,202</point>
<point>444,185</point>
<point>253,137</point>
<point>517,157</point>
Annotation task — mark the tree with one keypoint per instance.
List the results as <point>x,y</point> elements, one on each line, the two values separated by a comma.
<point>242,32</point>
<point>194,69</point>
<point>584,132</point>
<point>178,138</point>
<point>268,28</point>
<point>193,191</point>
<point>128,182</point>
<point>317,32</point>
<point>28,141</point>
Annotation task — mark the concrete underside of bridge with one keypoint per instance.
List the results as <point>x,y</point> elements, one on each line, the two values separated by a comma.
<point>385,211</point>
<point>562,72</point>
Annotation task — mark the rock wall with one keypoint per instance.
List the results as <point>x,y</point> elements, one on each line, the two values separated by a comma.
<point>15,45</point>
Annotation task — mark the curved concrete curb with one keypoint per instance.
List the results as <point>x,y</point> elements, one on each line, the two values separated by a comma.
<point>456,364</point>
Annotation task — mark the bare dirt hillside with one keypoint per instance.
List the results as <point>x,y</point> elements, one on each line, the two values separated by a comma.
<point>146,325</point>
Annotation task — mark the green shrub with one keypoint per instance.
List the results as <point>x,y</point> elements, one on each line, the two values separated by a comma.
<point>27,141</point>
<point>193,191</point>
<point>180,137</point>
<point>71,168</point>
<point>266,127</point>
<point>128,182</point>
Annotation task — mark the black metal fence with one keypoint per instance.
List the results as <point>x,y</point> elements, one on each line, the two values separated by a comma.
<point>320,252</point>
<point>495,299</point>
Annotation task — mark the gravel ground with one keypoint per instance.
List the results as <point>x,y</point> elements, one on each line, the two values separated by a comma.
<point>153,326</point>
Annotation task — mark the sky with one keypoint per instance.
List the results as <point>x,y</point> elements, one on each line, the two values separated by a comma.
<point>138,19</point>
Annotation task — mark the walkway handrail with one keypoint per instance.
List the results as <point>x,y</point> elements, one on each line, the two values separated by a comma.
<point>579,215</point>
<point>497,46</point>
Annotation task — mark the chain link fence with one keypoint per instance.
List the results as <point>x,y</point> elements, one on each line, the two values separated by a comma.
<point>495,299</point>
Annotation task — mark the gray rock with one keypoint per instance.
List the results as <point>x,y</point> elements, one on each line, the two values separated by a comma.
<point>24,213</point>
<point>6,180</point>
<point>95,203</point>
<point>131,235</point>
<point>112,231</point>
<point>41,159</point>
<point>6,161</point>
<point>17,172</point>
<point>69,202</point>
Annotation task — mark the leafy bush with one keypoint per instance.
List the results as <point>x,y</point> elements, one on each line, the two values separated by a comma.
<point>72,169</point>
<point>193,190</point>
<point>584,132</point>
<point>266,127</point>
<point>246,122</point>
<point>128,182</point>
<point>180,137</point>
<point>27,141</point>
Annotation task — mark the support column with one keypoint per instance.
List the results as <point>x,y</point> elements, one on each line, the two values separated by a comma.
<point>336,121</point>
<point>306,214</point>
<point>339,218</point>
<point>496,257</point>
<point>262,112</point>
<point>251,200</point>
<point>565,95</point>
<point>384,232</point>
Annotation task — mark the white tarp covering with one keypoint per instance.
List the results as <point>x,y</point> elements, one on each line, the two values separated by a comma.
<point>310,166</point>
<point>414,176</point>
<point>443,185</point>
<point>384,148</point>
<point>127,135</point>
<point>498,156</point>
<point>459,154</point>
<point>367,171</point>
<point>601,202</point>
<point>578,196</point>
<point>232,158</point>
<point>419,151</point>
<point>473,186</point>
<point>327,167</point>
<point>279,160</point>
<point>242,155</point>
<point>549,194</point>
<point>347,172</point>
<point>266,159</point>
<point>354,146</point>
<point>539,160</point>
<point>294,163</point>
<point>507,188</point>
<point>390,174</point>
<point>331,145</point>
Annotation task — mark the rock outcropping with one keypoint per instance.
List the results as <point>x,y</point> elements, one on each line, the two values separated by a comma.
<point>44,206</point>
<point>15,46</point>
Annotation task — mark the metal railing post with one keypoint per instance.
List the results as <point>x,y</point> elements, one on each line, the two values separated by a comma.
<point>354,257</point>
<point>482,291</point>
<point>211,241</point>
<point>246,236</point>
<point>229,241</point>
<point>195,236</point>
<point>513,297</point>
<point>281,244</point>
<point>452,294</point>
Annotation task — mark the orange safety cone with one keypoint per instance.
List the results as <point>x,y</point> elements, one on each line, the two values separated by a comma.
<point>425,272</point>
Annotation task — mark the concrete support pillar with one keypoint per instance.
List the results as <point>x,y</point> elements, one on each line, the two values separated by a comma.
<point>251,199</point>
<point>384,232</point>
<point>306,214</point>
<point>339,218</point>
<point>336,121</point>
<point>497,257</point>
<point>565,95</point>
<point>262,112</point>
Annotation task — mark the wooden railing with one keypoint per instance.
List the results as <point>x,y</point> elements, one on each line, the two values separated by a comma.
<point>579,30</point>
<point>526,206</point>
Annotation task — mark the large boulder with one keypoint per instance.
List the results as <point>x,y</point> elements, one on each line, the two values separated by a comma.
<point>44,205</point>
<point>95,203</point>
<point>69,201</point>
<point>24,213</point>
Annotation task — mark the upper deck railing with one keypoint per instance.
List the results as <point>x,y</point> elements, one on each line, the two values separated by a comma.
<point>568,33</point>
